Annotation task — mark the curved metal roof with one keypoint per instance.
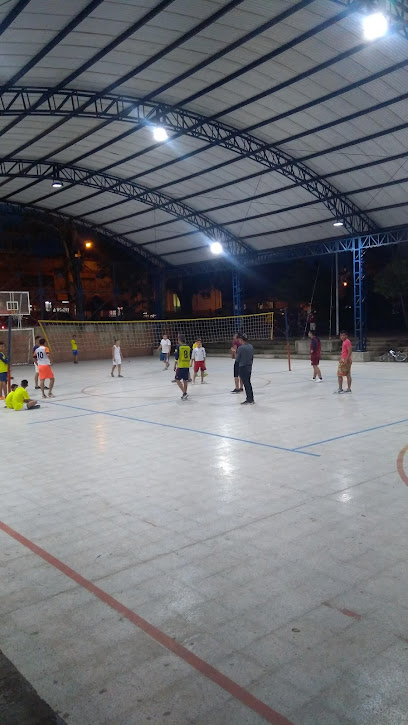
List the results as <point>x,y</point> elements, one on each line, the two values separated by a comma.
<point>281,119</point>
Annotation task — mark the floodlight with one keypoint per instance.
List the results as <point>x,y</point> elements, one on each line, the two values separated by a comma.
<point>374,26</point>
<point>57,184</point>
<point>160,133</point>
<point>338,224</point>
<point>216,248</point>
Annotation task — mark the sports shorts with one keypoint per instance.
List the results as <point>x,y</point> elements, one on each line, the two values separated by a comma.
<point>45,372</point>
<point>314,359</point>
<point>75,352</point>
<point>163,356</point>
<point>236,370</point>
<point>3,377</point>
<point>182,373</point>
<point>199,365</point>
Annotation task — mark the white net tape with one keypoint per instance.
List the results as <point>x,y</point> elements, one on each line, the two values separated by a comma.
<point>98,337</point>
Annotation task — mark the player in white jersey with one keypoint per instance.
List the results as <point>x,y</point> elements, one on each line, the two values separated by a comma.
<point>165,347</point>
<point>116,358</point>
<point>198,358</point>
<point>45,372</point>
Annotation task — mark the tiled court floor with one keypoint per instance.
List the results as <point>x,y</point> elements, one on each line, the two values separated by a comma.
<point>269,541</point>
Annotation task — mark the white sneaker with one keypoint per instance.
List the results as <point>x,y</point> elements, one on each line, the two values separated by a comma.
<point>319,380</point>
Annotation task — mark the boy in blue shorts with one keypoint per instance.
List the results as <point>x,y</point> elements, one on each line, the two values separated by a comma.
<point>182,356</point>
<point>3,371</point>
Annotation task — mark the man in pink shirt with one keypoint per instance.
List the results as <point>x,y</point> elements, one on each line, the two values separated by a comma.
<point>344,369</point>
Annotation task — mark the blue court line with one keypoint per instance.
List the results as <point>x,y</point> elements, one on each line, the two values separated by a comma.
<point>348,435</point>
<point>176,427</point>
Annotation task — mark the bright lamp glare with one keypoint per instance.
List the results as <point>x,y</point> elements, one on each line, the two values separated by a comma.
<point>216,248</point>
<point>338,224</point>
<point>160,133</point>
<point>57,184</point>
<point>375,26</point>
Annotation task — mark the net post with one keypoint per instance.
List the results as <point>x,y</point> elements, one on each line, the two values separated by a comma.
<point>9,326</point>
<point>287,338</point>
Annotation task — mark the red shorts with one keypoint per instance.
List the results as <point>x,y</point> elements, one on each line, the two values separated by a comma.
<point>314,359</point>
<point>45,372</point>
<point>199,365</point>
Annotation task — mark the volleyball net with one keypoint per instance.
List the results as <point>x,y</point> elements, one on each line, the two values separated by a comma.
<point>95,339</point>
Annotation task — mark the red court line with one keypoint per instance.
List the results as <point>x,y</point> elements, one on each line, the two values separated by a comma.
<point>200,665</point>
<point>400,465</point>
<point>346,612</point>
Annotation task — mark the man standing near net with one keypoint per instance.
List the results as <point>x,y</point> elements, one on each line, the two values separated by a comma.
<point>344,369</point>
<point>244,359</point>
<point>44,367</point>
<point>315,352</point>
<point>74,348</point>
<point>236,343</point>
<point>182,356</point>
<point>165,348</point>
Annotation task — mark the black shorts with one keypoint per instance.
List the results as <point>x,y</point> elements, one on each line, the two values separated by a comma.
<point>182,373</point>
<point>236,370</point>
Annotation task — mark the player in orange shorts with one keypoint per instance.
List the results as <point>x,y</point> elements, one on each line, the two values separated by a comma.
<point>42,354</point>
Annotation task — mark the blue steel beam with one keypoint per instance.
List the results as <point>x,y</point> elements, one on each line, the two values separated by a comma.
<point>383,238</point>
<point>186,122</point>
<point>76,176</point>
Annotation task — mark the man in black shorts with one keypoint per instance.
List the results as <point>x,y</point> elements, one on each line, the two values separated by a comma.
<point>236,342</point>
<point>182,355</point>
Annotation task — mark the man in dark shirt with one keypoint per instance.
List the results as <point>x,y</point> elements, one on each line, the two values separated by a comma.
<point>244,359</point>
<point>315,352</point>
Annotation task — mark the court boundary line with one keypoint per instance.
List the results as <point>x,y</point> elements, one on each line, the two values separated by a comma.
<point>355,433</point>
<point>113,414</point>
<point>211,673</point>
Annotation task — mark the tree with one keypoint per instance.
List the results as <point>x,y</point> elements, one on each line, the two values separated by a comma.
<point>392,283</point>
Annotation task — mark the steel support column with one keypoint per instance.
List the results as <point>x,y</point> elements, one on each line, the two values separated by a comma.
<point>40,291</point>
<point>359,295</point>
<point>79,292</point>
<point>159,287</point>
<point>237,293</point>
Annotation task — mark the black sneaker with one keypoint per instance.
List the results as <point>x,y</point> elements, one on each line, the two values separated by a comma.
<point>248,402</point>
<point>37,387</point>
<point>235,390</point>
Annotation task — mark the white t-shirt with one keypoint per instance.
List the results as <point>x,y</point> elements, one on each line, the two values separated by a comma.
<point>165,345</point>
<point>198,354</point>
<point>42,355</point>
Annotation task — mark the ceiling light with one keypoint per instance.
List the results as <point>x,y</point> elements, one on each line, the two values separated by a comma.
<point>375,26</point>
<point>216,248</point>
<point>160,133</point>
<point>88,245</point>
<point>338,224</point>
<point>56,184</point>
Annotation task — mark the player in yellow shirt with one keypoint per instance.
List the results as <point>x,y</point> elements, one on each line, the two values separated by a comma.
<point>74,347</point>
<point>20,396</point>
<point>3,371</point>
<point>182,356</point>
<point>9,399</point>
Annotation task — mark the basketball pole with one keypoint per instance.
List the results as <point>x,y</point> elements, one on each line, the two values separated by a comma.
<point>9,326</point>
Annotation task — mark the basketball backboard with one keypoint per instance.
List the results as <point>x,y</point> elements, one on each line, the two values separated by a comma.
<point>16,304</point>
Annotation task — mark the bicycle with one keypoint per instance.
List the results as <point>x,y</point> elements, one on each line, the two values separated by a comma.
<point>391,355</point>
